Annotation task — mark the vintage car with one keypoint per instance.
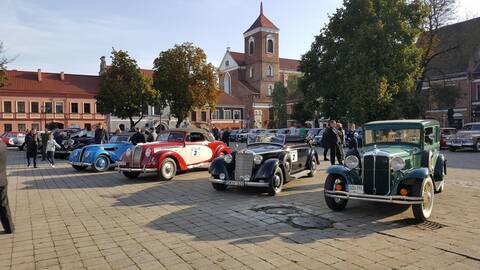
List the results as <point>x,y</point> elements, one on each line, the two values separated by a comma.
<point>100,157</point>
<point>13,139</point>
<point>175,150</point>
<point>467,137</point>
<point>401,163</point>
<point>75,140</point>
<point>445,135</point>
<point>268,161</point>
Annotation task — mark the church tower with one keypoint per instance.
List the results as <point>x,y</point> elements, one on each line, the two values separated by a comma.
<point>262,56</point>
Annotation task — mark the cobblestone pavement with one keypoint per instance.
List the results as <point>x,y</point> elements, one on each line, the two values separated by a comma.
<point>74,220</point>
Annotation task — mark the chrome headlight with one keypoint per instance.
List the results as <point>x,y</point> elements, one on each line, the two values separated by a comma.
<point>257,159</point>
<point>148,152</point>
<point>228,158</point>
<point>397,164</point>
<point>352,162</point>
<point>11,141</point>
<point>128,152</point>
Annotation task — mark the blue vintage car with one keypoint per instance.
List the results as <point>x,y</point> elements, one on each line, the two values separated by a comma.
<point>100,156</point>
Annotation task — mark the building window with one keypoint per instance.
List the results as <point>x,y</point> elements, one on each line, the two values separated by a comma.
<point>251,72</point>
<point>22,127</point>
<point>7,127</point>
<point>193,117</point>
<point>48,107</point>
<point>237,114</point>
<point>34,108</point>
<point>59,107</point>
<point>227,83</point>
<point>7,107</point>
<point>204,116</point>
<point>251,45</point>
<point>269,44</point>
<point>74,107</point>
<point>227,63</point>
<point>86,108</point>
<point>270,89</point>
<point>21,107</point>
<point>270,71</point>
<point>227,114</point>
<point>216,115</point>
<point>35,126</point>
<point>478,92</point>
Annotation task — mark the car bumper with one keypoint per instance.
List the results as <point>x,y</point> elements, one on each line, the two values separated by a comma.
<point>238,183</point>
<point>460,143</point>
<point>396,199</point>
<point>76,163</point>
<point>140,170</point>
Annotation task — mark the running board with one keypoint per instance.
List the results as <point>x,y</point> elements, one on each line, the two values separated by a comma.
<point>300,174</point>
<point>204,165</point>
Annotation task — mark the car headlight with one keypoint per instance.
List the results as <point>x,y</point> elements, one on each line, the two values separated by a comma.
<point>257,159</point>
<point>397,164</point>
<point>352,162</point>
<point>10,141</point>
<point>228,158</point>
<point>148,152</point>
<point>128,152</point>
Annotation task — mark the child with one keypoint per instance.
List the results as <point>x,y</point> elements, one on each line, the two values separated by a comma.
<point>51,144</point>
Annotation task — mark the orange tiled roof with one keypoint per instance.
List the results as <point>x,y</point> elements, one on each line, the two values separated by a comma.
<point>285,63</point>
<point>262,21</point>
<point>225,99</point>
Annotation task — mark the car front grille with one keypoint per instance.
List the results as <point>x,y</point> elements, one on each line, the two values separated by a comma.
<point>376,175</point>
<point>136,156</point>
<point>243,166</point>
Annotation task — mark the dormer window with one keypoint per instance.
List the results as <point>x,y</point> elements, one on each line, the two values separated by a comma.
<point>270,44</point>
<point>227,63</point>
<point>251,45</point>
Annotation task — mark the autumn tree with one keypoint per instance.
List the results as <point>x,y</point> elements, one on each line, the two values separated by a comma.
<point>363,58</point>
<point>445,96</point>
<point>124,91</point>
<point>185,80</point>
<point>3,65</point>
<point>279,104</point>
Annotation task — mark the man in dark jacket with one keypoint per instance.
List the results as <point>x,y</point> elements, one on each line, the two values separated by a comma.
<point>44,140</point>
<point>32,142</point>
<point>5,216</point>
<point>226,136</point>
<point>101,135</point>
<point>332,140</point>
<point>137,138</point>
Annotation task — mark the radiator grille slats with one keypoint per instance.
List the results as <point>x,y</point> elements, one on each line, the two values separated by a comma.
<point>136,156</point>
<point>376,175</point>
<point>243,166</point>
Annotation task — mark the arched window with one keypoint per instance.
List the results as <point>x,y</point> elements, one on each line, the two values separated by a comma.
<point>270,90</point>
<point>250,72</point>
<point>270,71</point>
<point>270,44</point>
<point>251,45</point>
<point>227,84</point>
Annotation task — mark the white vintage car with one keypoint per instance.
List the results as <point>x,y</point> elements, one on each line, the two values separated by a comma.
<point>467,137</point>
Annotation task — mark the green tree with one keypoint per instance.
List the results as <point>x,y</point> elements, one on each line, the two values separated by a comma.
<point>301,113</point>
<point>445,97</point>
<point>279,103</point>
<point>185,80</point>
<point>124,91</point>
<point>363,59</point>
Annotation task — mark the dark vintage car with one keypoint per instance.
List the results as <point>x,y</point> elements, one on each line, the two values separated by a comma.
<point>268,161</point>
<point>75,140</point>
<point>401,164</point>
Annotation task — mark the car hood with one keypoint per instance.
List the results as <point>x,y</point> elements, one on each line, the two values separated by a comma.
<point>263,148</point>
<point>100,146</point>
<point>162,145</point>
<point>466,133</point>
<point>400,150</point>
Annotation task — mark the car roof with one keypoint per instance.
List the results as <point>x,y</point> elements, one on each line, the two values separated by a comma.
<point>423,122</point>
<point>472,123</point>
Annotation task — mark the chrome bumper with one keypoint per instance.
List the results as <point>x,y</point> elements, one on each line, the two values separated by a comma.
<point>397,199</point>
<point>80,163</point>
<point>140,170</point>
<point>460,144</point>
<point>238,183</point>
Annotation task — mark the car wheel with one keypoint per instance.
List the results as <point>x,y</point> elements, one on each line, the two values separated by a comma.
<point>426,190</point>
<point>168,169</point>
<point>79,168</point>
<point>276,183</point>
<point>476,147</point>
<point>452,149</point>
<point>219,187</point>
<point>131,175</point>
<point>313,167</point>
<point>101,164</point>
<point>336,204</point>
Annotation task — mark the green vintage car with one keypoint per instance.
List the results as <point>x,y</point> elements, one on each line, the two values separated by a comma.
<point>400,163</point>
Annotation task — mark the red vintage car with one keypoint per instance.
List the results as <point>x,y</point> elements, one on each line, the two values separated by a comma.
<point>175,150</point>
<point>445,134</point>
<point>13,138</point>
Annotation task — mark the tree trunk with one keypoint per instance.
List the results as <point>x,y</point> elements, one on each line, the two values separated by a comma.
<point>132,124</point>
<point>179,121</point>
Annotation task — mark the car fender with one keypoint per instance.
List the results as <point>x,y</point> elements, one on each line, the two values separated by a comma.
<point>217,167</point>
<point>339,170</point>
<point>267,168</point>
<point>440,168</point>
<point>74,154</point>
<point>99,153</point>
<point>160,156</point>
<point>222,148</point>
<point>419,173</point>
<point>313,155</point>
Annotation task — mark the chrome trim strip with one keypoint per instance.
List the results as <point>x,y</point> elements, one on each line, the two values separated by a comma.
<point>238,183</point>
<point>76,163</point>
<point>397,199</point>
<point>144,170</point>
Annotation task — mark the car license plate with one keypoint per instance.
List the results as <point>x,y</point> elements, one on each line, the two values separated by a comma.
<point>235,183</point>
<point>121,163</point>
<point>355,189</point>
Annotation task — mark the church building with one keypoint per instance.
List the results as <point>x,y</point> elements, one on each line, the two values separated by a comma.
<point>250,76</point>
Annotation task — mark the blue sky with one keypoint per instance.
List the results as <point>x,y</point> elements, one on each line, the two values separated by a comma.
<point>71,36</point>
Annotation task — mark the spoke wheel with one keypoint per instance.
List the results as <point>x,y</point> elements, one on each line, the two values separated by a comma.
<point>313,167</point>
<point>276,183</point>
<point>168,169</point>
<point>476,147</point>
<point>102,163</point>
<point>426,190</point>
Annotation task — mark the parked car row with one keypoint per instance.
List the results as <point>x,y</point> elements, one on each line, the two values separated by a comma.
<point>467,137</point>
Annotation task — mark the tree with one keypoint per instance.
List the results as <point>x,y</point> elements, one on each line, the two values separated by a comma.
<point>445,97</point>
<point>279,103</point>
<point>3,65</point>
<point>124,91</point>
<point>300,113</point>
<point>363,59</point>
<point>185,80</point>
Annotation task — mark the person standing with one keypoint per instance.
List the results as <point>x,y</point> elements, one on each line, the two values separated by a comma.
<point>32,141</point>
<point>152,136</point>
<point>325,145</point>
<point>101,135</point>
<point>51,144</point>
<point>215,133</point>
<point>226,136</point>
<point>292,130</point>
<point>5,215</point>
<point>44,139</point>
<point>341,141</point>
<point>332,140</point>
<point>137,138</point>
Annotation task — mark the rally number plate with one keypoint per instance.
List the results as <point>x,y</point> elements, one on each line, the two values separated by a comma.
<point>355,189</point>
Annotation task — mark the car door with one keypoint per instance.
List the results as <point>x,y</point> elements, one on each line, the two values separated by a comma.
<point>197,149</point>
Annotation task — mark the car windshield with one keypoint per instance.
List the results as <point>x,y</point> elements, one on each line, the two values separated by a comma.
<point>170,137</point>
<point>378,136</point>
<point>266,138</point>
<point>448,131</point>
<point>118,139</point>
<point>471,127</point>
<point>83,133</point>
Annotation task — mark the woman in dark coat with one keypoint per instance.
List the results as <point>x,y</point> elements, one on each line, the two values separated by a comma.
<point>32,141</point>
